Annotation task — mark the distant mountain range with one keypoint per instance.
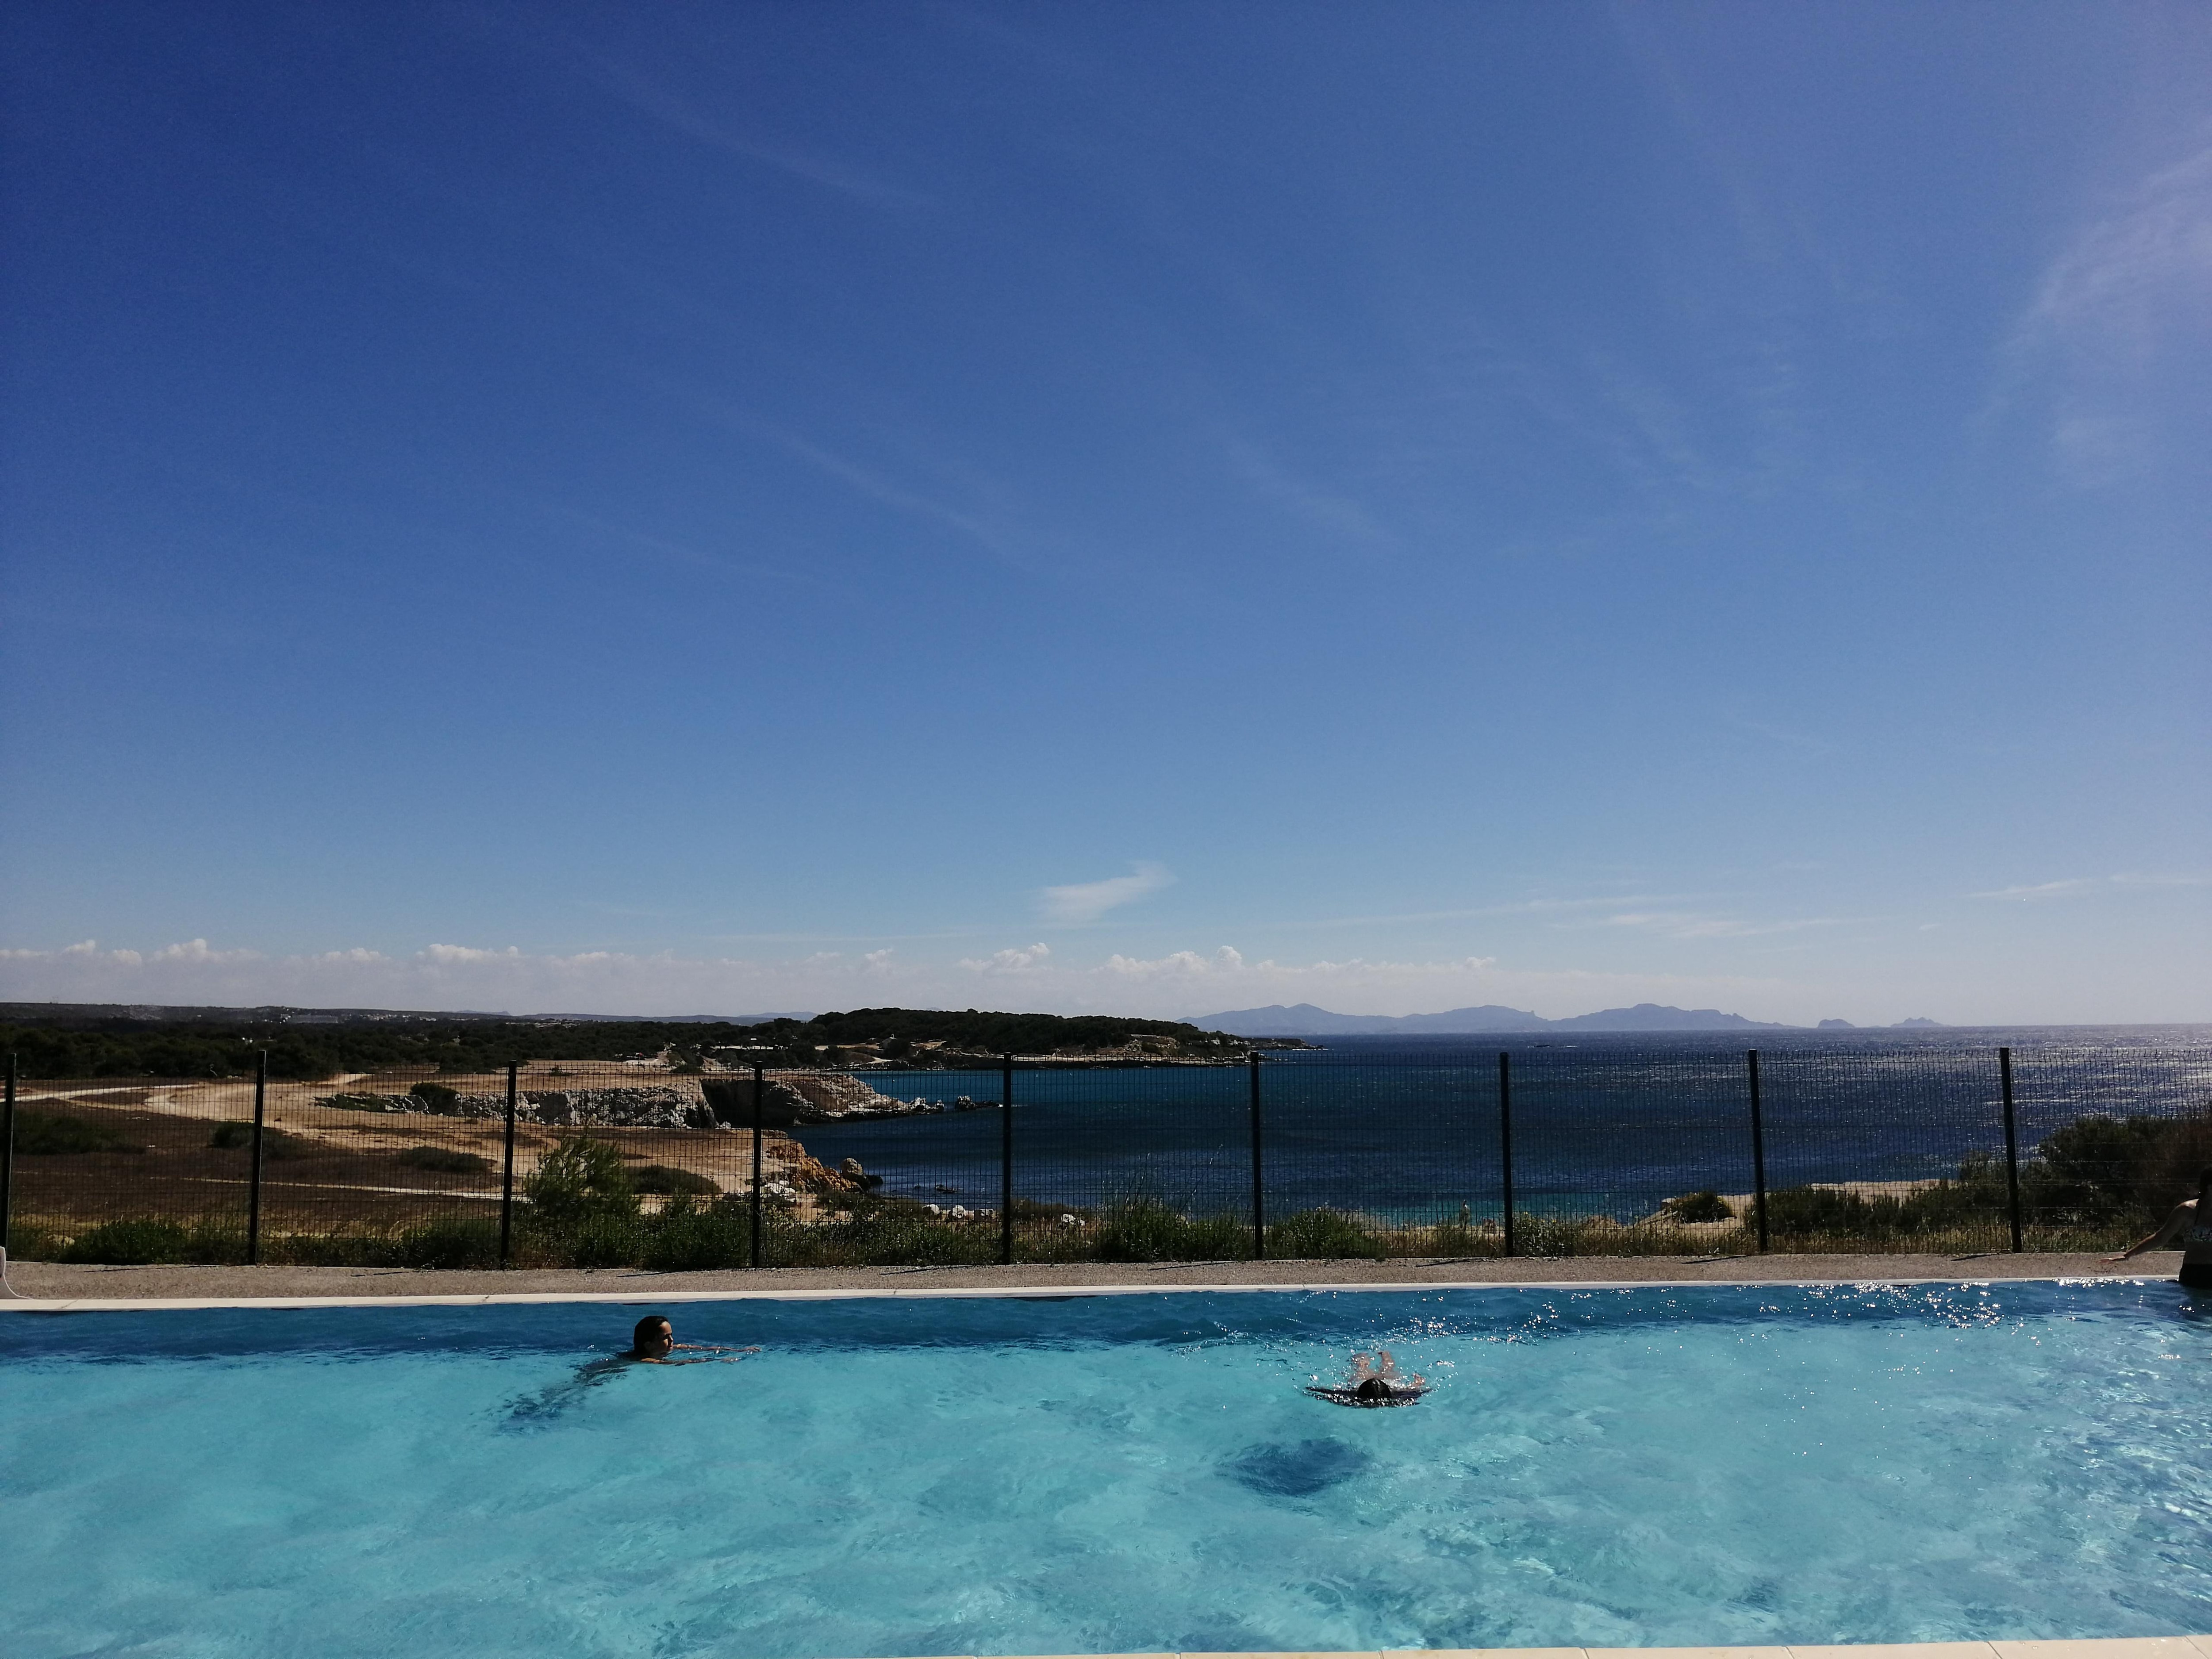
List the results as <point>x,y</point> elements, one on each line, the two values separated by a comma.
<point>1306,1020</point>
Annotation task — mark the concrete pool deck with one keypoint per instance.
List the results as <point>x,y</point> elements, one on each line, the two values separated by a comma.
<point>53,1286</point>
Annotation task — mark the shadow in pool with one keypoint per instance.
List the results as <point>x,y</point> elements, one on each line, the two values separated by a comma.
<point>1297,1471</point>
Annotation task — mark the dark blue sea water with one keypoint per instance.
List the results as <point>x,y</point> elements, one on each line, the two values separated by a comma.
<point>1409,1129</point>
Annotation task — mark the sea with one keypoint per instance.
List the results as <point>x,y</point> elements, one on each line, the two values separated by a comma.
<point>1412,1130</point>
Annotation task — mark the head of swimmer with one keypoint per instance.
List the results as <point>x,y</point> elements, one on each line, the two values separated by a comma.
<point>1373,1387</point>
<point>654,1338</point>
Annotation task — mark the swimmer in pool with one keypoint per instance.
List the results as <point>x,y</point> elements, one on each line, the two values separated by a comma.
<point>654,1341</point>
<point>1374,1380</point>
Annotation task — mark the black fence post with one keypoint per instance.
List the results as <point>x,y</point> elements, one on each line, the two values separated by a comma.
<point>760,1116</point>
<point>1007,1159</point>
<point>2011,1145</point>
<point>7,1162</point>
<point>1505,1140</point>
<point>1757,1151</point>
<point>1259,1180</point>
<point>253,1188</point>
<point>506,1168</point>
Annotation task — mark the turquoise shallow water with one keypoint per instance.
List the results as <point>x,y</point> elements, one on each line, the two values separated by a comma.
<point>1596,1466</point>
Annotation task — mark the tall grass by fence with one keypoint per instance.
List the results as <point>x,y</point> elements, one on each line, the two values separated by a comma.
<point>1594,1150</point>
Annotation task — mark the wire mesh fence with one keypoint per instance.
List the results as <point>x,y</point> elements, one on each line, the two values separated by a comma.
<point>1592,1149</point>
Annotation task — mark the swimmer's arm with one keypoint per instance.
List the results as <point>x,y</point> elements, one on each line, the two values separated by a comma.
<point>710,1359</point>
<point>2169,1232</point>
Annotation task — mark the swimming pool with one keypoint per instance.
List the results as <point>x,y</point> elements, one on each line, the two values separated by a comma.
<point>1595,1466</point>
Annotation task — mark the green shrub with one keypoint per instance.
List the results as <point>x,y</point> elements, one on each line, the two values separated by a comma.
<point>343,1247</point>
<point>2125,1173</point>
<point>1322,1235</point>
<point>688,1237</point>
<point>580,1179</point>
<point>1698,1207</point>
<point>144,1243</point>
<point>583,1211</point>
<point>30,1241</point>
<point>57,1134</point>
<point>1953,1211</point>
<point>1149,1229</point>
<point>275,1143</point>
<point>1460,1236</point>
<point>662,1178</point>
<point>449,1242</point>
<point>444,1159</point>
<point>604,1240</point>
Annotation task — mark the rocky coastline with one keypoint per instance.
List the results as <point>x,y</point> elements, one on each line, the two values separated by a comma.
<point>709,1103</point>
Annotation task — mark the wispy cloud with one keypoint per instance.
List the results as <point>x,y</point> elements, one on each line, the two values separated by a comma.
<point>2089,886</point>
<point>1521,907</point>
<point>651,99</point>
<point>1087,901</point>
<point>1327,510</point>
<point>2106,320</point>
<point>878,487</point>
<point>991,520</point>
<point>1684,923</point>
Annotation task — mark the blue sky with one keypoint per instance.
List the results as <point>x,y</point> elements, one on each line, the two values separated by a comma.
<point>1156,509</point>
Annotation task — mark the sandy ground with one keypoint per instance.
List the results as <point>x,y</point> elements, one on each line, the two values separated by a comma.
<point>48,1281</point>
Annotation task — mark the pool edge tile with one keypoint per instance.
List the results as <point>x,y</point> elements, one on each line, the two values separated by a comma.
<point>2106,1647</point>
<point>678,1294</point>
<point>1776,1651</point>
<point>1894,1651</point>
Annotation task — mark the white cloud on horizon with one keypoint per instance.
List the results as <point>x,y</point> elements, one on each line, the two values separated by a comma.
<point>1087,901</point>
<point>1179,984</point>
<point>1008,962</point>
<point>1690,924</point>
<point>2082,886</point>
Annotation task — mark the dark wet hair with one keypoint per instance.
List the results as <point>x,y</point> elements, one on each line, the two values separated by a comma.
<point>1373,1387</point>
<point>648,1330</point>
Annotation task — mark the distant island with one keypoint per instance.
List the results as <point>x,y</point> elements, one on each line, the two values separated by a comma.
<point>1303,1019</point>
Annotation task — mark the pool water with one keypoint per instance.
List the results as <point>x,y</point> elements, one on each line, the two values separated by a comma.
<point>1594,1466</point>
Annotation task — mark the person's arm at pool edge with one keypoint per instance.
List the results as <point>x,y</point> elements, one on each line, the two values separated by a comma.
<point>2168,1234</point>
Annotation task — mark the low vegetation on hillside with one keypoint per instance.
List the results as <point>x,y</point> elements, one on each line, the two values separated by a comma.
<point>213,1048</point>
<point>2098,1182</point>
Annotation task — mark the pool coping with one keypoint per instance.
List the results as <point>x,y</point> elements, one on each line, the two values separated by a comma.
<point>2097,1647</point>
<point>19,1304</point>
